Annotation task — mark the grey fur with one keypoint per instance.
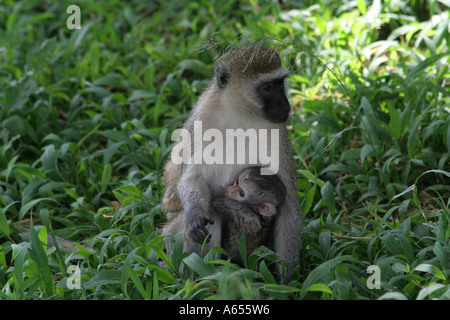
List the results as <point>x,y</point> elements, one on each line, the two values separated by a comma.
<point>241,219</point>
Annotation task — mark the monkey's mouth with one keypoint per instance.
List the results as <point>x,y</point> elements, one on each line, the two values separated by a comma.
<point>280,119</point>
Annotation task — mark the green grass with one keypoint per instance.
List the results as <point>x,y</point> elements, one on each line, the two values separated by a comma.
<point>85,123</point>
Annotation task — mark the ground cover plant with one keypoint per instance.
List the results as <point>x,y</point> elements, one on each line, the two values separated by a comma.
<point>86,118</point>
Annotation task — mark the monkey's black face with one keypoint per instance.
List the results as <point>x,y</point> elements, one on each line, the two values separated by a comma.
<point>276,106</point>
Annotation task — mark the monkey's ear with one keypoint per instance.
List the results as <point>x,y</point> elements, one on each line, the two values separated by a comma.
<point>267,209</point>
<point>222,76</point>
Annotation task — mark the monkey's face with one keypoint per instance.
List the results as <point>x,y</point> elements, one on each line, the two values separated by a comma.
<point>246,192</point>
<point>245,189</point>
<point>253,79</point>
<point>276,106</point>
<point>264,96</point>
<point>234,191</point>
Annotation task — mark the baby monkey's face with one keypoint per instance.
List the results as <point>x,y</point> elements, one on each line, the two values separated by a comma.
<point>246,190</point>
<point>242,189</point>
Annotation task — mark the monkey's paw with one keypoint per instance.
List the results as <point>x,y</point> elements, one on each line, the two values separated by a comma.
<point>197,228</point>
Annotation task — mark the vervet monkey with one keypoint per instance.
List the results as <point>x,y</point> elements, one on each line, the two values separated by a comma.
<point>247,92</point>
<point>248,208</point>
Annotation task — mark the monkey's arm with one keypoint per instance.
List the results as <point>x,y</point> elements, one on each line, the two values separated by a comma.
<point>171,201</point>
<point>287,240</point>
<point>195,197</point>
<point>227,206</point>
<point>288,224</point>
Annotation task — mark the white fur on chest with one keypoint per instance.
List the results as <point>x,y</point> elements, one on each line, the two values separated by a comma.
<point>237,153</point>
<point>228,137</point>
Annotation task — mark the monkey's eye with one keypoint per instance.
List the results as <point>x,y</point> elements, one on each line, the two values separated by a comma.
<point>267,87</point>
<point>241,193</point>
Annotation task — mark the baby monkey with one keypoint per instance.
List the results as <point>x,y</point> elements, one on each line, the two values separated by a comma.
<point>248,207</point>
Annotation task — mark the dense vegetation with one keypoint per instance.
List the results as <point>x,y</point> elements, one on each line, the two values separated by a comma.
<point>86,118</point>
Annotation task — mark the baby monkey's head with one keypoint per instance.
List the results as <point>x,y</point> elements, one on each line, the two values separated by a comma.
<point>263,192</point>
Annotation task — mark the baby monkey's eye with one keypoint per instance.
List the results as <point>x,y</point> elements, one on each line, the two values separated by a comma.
<point>241,193</point>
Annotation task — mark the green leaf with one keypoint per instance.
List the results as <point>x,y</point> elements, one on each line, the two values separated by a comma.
<point>17,96</point>
<point>197,264</point>
<point>3,223</point>
<point>393,296</point>
<point>116,136</point>
<point>410,188</point>
<point>267,275</point>
<point>15,125</point>
<point>106,176</point>
<point>141,94</point>
<point>71,192</point>
<point>361,6</point>
<point>407,248</point>
<point>163,275</point>
<point>3,259</point>
<point>10,166</point>
<point>311,177</point>
<point>427,291</point>
<point>111,79</point>
<point>443,255</point>
<point>78,35</point>
<point>437,171</point>
<point>320,271</point>
<point>431,269</point>
<point>391,244</point>
<point>365,151</point>
<point>223,280</point>
<point>243,249</point>
<point>195,66</point>
<point>110,151</point>
<point>325,241</point>
<point>420,67</point>
<point>31,204</point>
<point>19,253</point>
<point>412,138</point>
<point>155,293</point>
<point>370,122</point>
<point>327,192</point>
<point>38,254</point>
<point>320,287</point>
<point>279,288</point>
<point>448,137</point>
<point>395,123</point>
<point>177,244</point>
<point>136,281</point>
<point>42,235</point>
<point>308,200</point>
<point>48,158</point>
<point>132,190</point>
<point>103,277</point>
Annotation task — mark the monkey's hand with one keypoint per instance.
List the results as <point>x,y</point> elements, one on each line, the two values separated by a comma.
<point>196,226</point>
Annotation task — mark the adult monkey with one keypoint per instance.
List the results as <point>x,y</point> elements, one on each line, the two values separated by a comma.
<point>247,92</point>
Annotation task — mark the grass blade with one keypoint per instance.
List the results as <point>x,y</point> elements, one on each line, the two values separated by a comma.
<point>321,271</point>
<point>197,264</point>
